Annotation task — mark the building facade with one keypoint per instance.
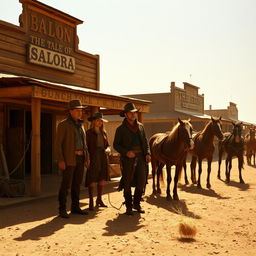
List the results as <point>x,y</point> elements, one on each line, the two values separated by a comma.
<point>184,103</point>
<point>41,70</point>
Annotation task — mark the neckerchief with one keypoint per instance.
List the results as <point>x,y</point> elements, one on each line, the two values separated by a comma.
<point>132,127</point>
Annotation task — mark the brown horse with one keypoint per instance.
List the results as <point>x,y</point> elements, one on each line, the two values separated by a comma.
<point>250,145</point>
<point>169,149</point>
<point>204,148</point>
<point>233,145</point>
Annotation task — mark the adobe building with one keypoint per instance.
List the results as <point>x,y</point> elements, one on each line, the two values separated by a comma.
<point>41,70</point>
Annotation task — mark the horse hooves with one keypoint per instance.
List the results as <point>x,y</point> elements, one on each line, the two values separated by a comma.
<point>242,181</point>
<point>176,198</point>
<point>199,186</point>
<point>227,181</point>
<point>218,177</point>
<point>168,198</point>
<point>154,192</point>
<point>159,191</point>
<point>209,186</point>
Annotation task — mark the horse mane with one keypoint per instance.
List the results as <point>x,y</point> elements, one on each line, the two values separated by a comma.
<point>206,127</point>
<point>173,134</point>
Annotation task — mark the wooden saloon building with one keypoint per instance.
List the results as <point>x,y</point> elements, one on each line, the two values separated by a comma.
<point>41,70</point>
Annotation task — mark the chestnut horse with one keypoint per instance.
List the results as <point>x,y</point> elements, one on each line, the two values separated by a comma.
<point>204,148</point>
<point>233,145</point>
<point>250,145</point>
<point>169,149</point>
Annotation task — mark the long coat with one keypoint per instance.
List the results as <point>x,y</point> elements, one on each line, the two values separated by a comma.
<point>91,139</point>
<point>65,142</point>
<point>123,140</point>
<point>122,144</point>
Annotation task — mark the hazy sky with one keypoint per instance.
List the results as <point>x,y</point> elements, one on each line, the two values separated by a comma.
<point>146,44</point>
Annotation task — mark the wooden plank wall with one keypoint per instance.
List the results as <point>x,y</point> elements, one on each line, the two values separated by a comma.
<point>1,136</point>
<point>13,43</point>
<point>1,123</point>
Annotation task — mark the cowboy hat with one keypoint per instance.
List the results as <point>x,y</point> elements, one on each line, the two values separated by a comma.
<point>73,104</point>
<point>129,107</point>
<point>97,115</point>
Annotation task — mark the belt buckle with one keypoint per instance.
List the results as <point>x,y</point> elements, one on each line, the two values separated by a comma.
<point>79,153</point>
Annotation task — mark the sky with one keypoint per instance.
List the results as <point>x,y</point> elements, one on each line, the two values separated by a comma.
<point>144,45</point>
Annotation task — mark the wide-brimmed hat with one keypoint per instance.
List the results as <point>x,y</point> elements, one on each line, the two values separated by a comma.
<point>75,104</point>
<point>97,115</point>
<point>129,107</point>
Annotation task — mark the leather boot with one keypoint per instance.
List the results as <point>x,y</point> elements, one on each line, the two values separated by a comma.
<point>79,211</point>
<point>137,200</point>
<point>91,204</point>
<point>99,201</point>
<point>63,214</point>
<point>128,204</point>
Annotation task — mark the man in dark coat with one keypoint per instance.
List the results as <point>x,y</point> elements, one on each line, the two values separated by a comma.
<point>72,156</point>
<point>130,141</point>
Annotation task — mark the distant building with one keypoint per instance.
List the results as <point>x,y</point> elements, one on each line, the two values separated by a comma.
<point>183,103</point>
<point>166,108</point>
<point>231,113</point>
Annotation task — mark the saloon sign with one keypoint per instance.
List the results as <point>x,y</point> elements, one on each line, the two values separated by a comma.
<point>50,43</point>
<point>48,58</point>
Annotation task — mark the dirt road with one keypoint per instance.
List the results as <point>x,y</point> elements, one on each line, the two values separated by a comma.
<point>225,217</point>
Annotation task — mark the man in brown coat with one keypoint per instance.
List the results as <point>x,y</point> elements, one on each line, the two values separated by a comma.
<point>72,157</point>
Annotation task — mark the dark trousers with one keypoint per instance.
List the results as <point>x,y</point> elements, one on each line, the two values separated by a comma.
<point>133,175</point>
<point>71,177</point>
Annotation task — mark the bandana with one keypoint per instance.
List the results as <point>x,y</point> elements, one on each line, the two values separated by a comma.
<point>132,127</point>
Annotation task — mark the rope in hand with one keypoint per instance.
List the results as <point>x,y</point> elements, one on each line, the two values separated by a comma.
<point>117,208</point>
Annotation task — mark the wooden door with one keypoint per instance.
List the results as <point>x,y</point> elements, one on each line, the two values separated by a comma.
<point>15,143</point>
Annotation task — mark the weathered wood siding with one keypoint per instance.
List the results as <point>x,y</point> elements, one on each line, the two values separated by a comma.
<point>13,60</point>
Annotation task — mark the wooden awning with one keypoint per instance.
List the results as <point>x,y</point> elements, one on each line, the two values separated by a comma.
<point>56,96</point>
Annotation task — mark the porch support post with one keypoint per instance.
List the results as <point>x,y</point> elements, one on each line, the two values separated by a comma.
<point>140,117</point>
<point>35,147</point>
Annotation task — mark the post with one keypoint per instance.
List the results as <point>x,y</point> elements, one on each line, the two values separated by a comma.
<point>35,147</point>
<point>140,117</point>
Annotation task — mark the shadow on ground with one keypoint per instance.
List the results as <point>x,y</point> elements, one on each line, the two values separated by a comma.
<point>44,208</point>
<point>50,227</point>
<point>240,186</point>
<point>205,192</point>
<point>123,224</point>
<point>178,207</point>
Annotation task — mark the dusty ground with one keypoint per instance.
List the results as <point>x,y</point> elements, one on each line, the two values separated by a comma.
<point>225,218</point>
